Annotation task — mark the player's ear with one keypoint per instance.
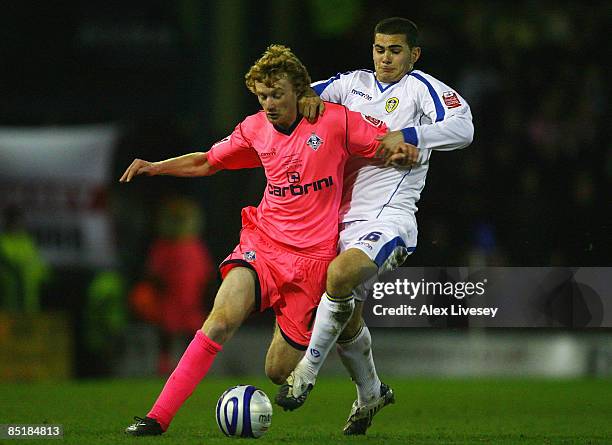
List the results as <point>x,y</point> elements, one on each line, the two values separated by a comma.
<point>415,53</point>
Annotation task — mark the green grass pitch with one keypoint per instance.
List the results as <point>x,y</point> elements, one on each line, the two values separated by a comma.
<point>427,411</point>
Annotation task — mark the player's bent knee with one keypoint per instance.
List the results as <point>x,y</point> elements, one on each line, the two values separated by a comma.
<point>340,282</point>
<point>218,328</point>
<point>347,271</point>
<point>277,374</point>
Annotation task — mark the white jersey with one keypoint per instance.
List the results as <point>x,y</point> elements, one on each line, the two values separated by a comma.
<point>431,115</point>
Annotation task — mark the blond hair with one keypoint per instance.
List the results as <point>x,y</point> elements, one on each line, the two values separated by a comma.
<point>277,62</point>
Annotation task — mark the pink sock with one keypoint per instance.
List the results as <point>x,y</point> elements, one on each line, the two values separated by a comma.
<point>191,369</point>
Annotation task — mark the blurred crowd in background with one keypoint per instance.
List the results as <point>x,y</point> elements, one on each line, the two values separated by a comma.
<point>533,189</point>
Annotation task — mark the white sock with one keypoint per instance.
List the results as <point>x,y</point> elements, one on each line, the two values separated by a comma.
<point>332,316</point>
<point>356,355</point>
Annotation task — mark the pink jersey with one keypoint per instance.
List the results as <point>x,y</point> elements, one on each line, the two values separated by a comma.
<point>304,169</point>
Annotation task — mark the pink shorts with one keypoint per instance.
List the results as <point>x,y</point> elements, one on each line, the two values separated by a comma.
<point>288,283</point>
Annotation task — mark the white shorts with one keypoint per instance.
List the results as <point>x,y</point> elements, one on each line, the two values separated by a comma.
<point>387,242</point>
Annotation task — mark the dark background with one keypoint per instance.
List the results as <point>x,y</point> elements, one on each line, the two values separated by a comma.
<point>533,189</point>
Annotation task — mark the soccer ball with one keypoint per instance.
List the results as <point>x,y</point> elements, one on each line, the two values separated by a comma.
<point>244,411</point>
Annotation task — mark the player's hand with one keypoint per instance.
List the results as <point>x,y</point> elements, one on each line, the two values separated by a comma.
<point>395,151</point>
<point>139,167</point>
<point>389,143</point>
<point>311,106</point>
<point>404,155</point>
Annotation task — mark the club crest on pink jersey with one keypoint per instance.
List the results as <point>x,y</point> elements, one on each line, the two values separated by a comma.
<point>314,141</point>
<point>250,256</point>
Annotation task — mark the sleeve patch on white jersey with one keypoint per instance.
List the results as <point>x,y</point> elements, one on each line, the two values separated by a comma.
<point>450,99</point>
<point>372,120</point>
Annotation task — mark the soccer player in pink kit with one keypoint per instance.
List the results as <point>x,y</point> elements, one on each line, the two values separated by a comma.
<point>287,242</point>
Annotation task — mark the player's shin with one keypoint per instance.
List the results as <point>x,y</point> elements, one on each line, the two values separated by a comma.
<point>332,316</point>
<point>356,355</point>
<point>191,369</point>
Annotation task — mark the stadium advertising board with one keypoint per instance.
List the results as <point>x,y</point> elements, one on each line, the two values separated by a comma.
<point>59,177</point>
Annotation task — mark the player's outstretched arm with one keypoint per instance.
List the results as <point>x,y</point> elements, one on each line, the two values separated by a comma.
<point>189,165</point>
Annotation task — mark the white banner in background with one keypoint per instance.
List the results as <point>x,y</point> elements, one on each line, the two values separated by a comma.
<point>59,177</point>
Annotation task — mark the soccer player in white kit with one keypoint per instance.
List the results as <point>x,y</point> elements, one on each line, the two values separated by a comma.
<point>377,221</point>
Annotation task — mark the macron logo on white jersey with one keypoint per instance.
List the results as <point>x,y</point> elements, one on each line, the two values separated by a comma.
<point>362,94</point>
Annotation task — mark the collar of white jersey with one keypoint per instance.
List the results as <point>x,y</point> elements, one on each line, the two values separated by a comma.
<point>382,87</point>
